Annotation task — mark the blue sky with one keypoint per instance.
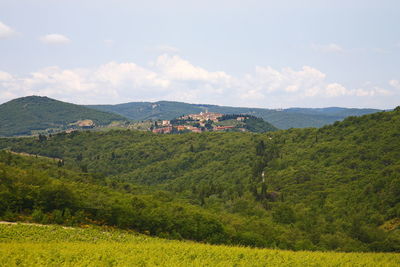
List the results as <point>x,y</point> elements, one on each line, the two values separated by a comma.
<point>268,54</point>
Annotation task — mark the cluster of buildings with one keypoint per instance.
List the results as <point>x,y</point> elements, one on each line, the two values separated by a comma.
<point>170,129</point>
<point>221,128</point>
<point>163,130</point>
<point>83,124</point>
<point>188,127</point>
<point>203,116</point>
<point>201,120</point>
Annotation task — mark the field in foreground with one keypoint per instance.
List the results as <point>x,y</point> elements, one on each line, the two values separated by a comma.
<point>37,245</point>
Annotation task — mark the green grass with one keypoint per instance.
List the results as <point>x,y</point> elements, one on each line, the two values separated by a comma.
<point>35,245</point>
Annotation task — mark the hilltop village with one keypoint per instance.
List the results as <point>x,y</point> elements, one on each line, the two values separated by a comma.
<point>204,121</point>
<point>196,123</point>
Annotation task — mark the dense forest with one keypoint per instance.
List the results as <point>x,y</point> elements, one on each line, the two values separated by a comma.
<point>25,115</point>
<point>333,188</point>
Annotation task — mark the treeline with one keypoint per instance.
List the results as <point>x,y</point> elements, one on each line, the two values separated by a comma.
<point>333,188</point>
<point>42,191</point>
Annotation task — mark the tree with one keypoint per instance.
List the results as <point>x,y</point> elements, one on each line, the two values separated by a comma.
<point>79,157</point>
<point>42,138</point>
<point>263,188</point>
<point>9,158</point>
<point>260,148</point>
<point>283,213</point>
<point>56,196</point>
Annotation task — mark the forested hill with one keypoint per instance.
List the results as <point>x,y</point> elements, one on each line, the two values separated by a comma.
<point>336,188</point>
<point>25,115</point>
<point>283,119</point>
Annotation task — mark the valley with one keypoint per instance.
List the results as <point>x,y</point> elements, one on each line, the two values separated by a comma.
<point>332,188</point>
<point>199,133</point>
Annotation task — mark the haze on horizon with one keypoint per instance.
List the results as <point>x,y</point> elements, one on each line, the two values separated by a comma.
<point>236,53</point>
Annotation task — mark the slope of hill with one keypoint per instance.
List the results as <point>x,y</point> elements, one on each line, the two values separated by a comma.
<point>140,111</point>
<point>228,123</point>
<point>334,188</point>
<point>284,119</point>
<point>23,115</point>
<point>38,245</point>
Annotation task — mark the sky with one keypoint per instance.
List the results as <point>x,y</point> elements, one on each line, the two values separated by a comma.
<point>269,54</point>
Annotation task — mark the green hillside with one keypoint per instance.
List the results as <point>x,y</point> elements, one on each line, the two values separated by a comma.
<point>25,115</point>
<point>284,119</point>
<point>333,188</point>
<point>38,245</point>
<point>141,111</point>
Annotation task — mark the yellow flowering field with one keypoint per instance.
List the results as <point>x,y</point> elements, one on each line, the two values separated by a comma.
<point>36,245</point>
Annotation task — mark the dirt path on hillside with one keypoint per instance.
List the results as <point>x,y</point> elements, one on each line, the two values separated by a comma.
<point>32,155</point>
<point>35,224</point>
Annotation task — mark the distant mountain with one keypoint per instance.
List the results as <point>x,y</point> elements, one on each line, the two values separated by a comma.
<point>333,111</point>
<point>25,115</point>
<point>162,110</point>
<point>283,119</point>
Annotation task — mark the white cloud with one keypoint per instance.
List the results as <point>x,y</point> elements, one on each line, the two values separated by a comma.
<point>128,74</point>
<point>287,81</point>
<point>372,91</point>
<point>328,48</point>
<point>55,38</point>
<point>174,78</point>
<point>335,89</point>
<point>6,31</point>
<point>292,88</point>
<point>395,84</point>
<point>4,76</point>
<point>382,92</point>
<point>109,42</point>
<point>363,92</point>
<point>176,68</point>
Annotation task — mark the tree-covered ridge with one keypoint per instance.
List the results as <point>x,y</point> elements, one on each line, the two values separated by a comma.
<point>25,115</point>
<point>42,191</point>
<point>283,119</point>
<point>331,188</point>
